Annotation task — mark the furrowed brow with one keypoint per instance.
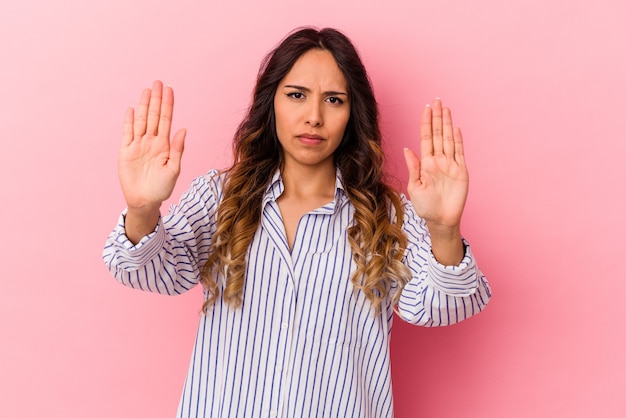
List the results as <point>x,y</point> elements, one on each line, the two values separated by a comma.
<point>335,93</point>
<point>293,86</point>
<point>308,90</point>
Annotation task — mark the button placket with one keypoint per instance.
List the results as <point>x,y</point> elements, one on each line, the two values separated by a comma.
<point>284,329</point>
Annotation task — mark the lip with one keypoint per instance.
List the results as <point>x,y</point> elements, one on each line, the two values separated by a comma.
<point>308,136</point>
<point>308,139</point>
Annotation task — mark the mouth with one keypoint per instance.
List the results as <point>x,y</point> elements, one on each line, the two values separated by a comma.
<point>310,139</point>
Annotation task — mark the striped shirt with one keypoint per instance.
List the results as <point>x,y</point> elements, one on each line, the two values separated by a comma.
<point>304,343</point>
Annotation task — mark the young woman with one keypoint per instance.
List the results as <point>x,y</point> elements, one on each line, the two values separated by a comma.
<point>302,249</point>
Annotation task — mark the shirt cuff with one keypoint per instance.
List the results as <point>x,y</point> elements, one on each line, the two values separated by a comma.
<point>147,248</point>
<point>459,280</point>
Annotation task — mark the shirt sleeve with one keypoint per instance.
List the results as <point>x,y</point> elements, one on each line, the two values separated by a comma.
<point>168,260</point>
<point>438,295</point>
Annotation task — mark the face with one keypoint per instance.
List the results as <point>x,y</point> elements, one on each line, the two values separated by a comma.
<point>312,109</point>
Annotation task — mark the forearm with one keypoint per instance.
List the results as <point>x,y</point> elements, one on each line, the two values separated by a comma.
<point>447,244</point>
<point>159,263</point>
<point>439,295</point>
<point>426,303</point>
<point>140,222</point>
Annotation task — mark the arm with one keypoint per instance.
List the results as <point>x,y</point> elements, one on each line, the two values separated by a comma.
<point>143,252</point>
<point>438,183</point>
<point>438,294</point>
<point>169,259</point>
<point>446,285</point>
<point>148,164</point>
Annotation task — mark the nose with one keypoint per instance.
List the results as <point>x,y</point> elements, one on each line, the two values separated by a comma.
<point>314,114</point>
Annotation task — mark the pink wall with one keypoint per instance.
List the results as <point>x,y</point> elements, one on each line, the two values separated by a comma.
<point>539,88</point>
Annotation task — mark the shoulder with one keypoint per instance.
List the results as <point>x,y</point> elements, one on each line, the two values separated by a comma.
<point>213,176</point>
<point>206,187</point>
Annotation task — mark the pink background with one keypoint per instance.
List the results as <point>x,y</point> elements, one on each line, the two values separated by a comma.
<point>537,86</point>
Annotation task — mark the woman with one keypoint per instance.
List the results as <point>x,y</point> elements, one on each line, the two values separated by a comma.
<point>302,249</point>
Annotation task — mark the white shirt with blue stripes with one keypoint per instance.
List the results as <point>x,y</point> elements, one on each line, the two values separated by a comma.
<point>303,343</point>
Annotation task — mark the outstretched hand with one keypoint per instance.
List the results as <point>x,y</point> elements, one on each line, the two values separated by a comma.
<point>438,184</point>
<point>148,164</point>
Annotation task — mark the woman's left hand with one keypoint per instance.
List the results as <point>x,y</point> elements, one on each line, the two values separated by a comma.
<point>438,184</point>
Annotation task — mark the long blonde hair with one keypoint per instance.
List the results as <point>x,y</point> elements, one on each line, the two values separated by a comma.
<point>376,238</point>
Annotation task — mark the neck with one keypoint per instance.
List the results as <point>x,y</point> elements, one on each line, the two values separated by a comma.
<point>307,182</point>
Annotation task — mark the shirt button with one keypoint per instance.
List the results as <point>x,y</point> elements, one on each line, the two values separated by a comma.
<point>284,325</point>
<point>273,414</point>
<point>279,369</point>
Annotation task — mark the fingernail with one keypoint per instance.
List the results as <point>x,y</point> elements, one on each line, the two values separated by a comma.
<point>427,104</point>
<point>437,98</point>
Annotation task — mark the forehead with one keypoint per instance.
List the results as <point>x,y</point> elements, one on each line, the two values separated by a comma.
<point>316,68</point>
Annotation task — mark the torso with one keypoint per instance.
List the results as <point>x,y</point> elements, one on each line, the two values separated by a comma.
<point>292,210</point>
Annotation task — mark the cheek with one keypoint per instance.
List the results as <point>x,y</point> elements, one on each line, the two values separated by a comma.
<point>282,124</point>
<point>279,118</point>
<point>339,125</point>
<point>282,109</point>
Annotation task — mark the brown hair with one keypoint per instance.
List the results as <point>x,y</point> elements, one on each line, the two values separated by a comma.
<point>377,241</point>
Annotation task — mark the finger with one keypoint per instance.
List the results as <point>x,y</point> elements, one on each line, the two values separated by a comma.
<point>154,109</point>
<point>437,123</point>
<point>167,111</point>
<point>177,148</point>
<point>413,165</point>
<point>127,135</point>
<point>426,132</point>
<point>141,115</point>
<point>459,154</point>
<point>448,133</point>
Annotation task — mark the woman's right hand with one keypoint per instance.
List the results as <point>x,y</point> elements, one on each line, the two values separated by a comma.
<point>148,163</point>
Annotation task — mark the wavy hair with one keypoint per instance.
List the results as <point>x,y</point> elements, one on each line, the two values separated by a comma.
<point>376,238</point>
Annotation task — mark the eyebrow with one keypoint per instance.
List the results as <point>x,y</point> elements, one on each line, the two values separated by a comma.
<point>308,90</point>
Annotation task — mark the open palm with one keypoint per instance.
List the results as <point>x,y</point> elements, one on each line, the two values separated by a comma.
<point>148,165</point>
<point>438,184</point>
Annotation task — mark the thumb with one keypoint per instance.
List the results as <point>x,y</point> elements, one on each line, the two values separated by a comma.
<point>413,165</point>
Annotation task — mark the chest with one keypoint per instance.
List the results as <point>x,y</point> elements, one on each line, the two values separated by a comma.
<point>308,290</point>
<point>293,211</point>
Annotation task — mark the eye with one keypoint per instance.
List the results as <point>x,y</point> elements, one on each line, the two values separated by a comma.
<point>296,95</point>
<point>334,100</point>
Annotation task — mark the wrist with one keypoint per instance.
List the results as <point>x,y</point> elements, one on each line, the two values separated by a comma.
<point>447,244</point>
<point>444,232</point>
<point>139,222</point>
<point>145,210</point>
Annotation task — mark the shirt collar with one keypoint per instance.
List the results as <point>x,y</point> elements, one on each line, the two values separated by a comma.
<point>276,188</point>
